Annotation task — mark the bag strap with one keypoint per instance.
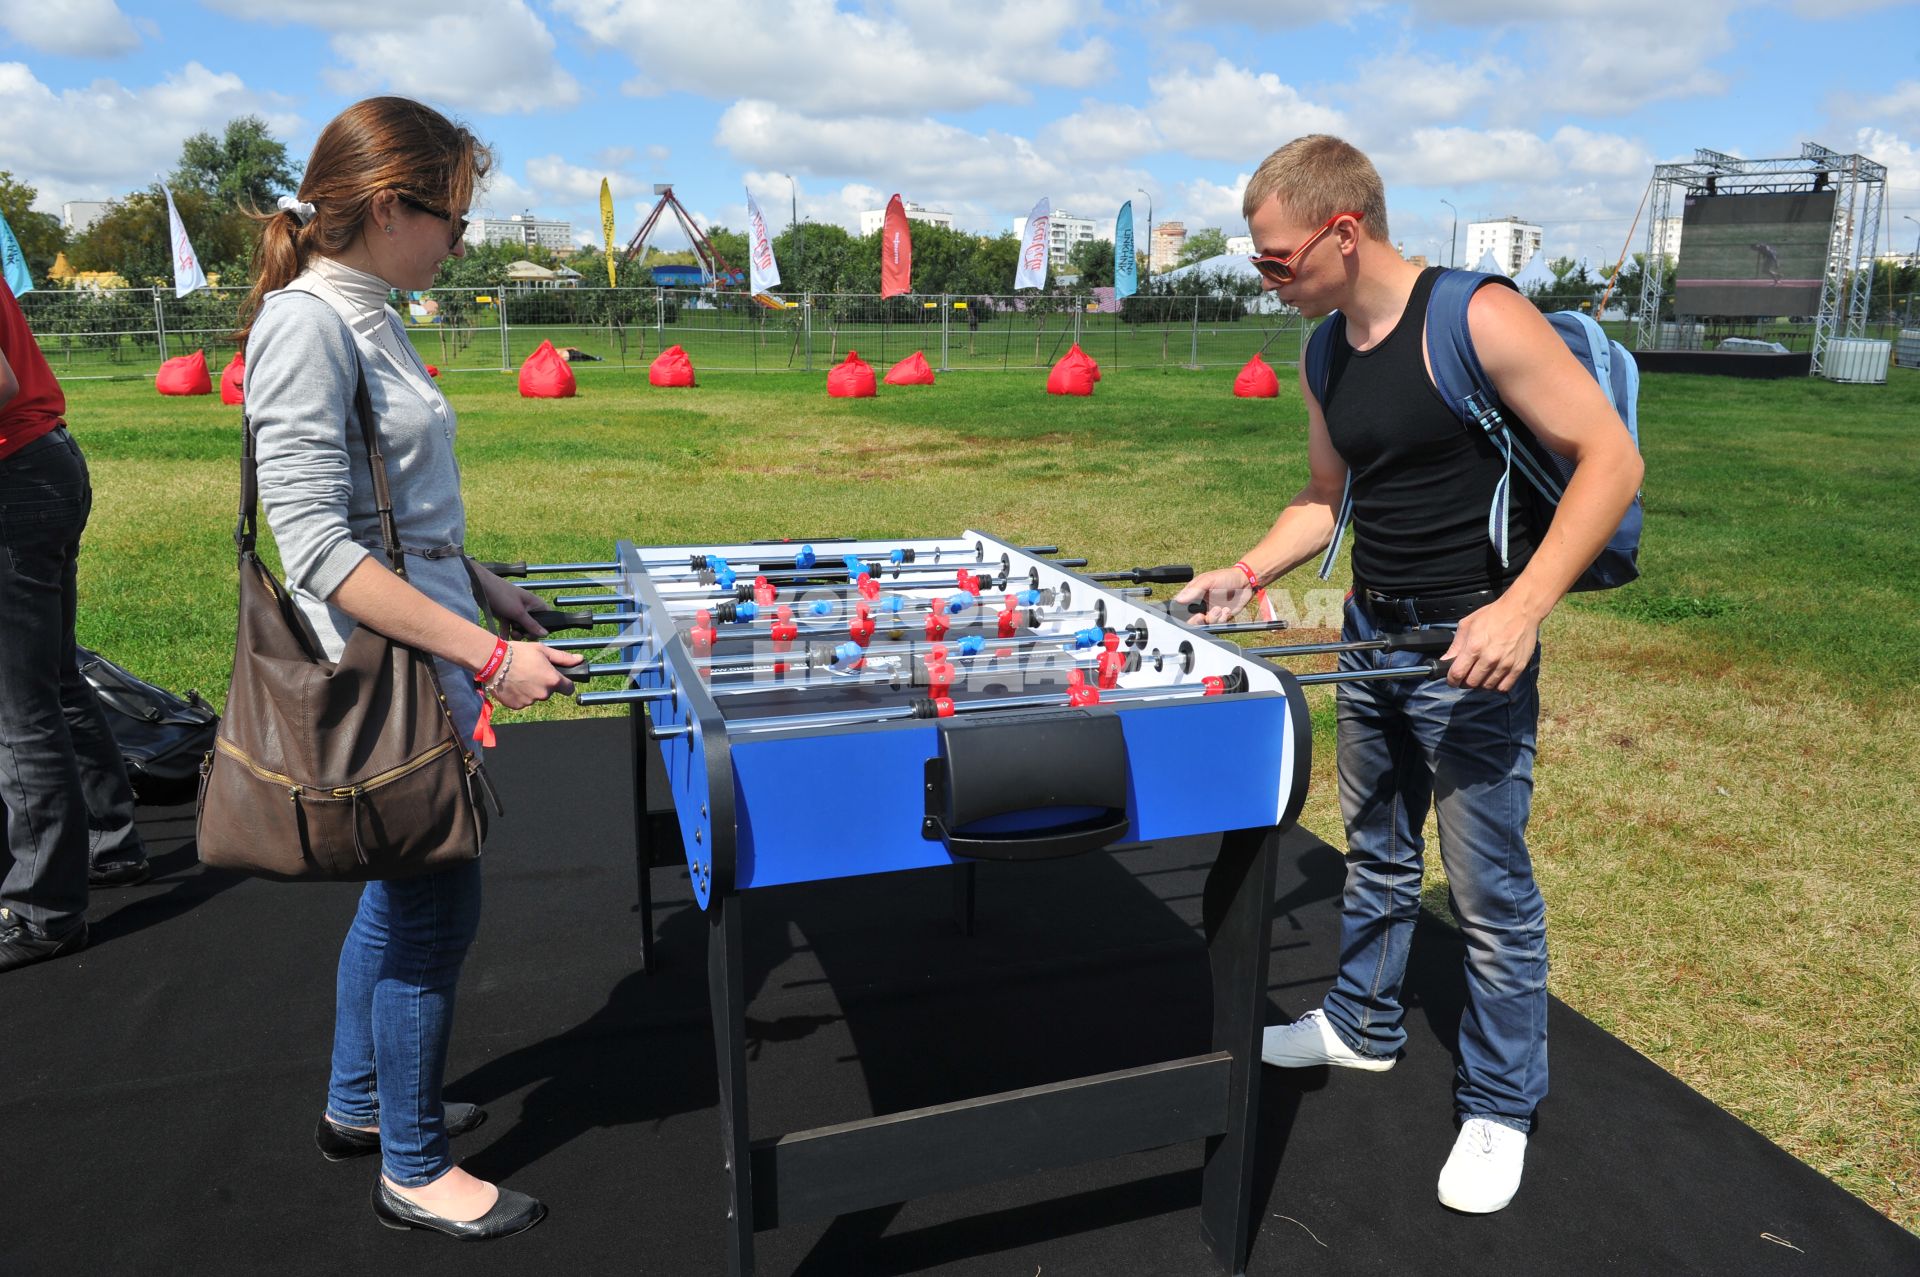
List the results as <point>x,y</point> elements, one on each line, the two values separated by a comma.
<point>246,530</point>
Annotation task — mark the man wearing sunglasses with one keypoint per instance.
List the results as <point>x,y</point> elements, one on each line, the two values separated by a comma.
<point>1462,743</point>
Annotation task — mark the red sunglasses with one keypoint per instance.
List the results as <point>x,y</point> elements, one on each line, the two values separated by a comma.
<point>1278,267</point>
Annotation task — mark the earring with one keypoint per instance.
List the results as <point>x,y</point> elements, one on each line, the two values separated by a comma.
<point>389,228</point>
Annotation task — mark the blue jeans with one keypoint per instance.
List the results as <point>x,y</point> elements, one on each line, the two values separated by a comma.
<point>1405,746</point>
<point>62,779</point>
<point>393,1015</point>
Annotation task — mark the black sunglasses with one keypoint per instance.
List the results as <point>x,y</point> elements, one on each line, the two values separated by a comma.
<point>458,224</point>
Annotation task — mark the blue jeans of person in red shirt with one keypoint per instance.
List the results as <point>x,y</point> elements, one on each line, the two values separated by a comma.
<point>61,775</point>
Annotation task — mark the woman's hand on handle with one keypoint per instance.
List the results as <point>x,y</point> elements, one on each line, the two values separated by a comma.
<point>536,673</point>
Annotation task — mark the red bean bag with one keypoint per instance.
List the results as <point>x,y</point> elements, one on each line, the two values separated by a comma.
<point>545,375</point>
<point>852,378</point>
<point>672,368</point>
<point>233,381</point>
<point>433,371</point>
<point>1074,374</point>
<point>914,370</point>
<point>186,375</point>
<point>1257,380</point>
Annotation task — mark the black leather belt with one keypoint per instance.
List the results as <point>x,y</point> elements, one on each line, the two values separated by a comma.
<point>1411,613</point>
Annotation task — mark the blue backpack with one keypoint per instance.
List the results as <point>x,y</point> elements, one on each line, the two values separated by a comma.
<point>1463,384</point>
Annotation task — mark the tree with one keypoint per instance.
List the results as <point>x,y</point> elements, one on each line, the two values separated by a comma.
<point>40,234</point>
<point>1093,258</point>
<point>132,238</point>
<point>246,167</point>
<point>1208,241</point>
<point>992,265</point>
<point>731,246</point>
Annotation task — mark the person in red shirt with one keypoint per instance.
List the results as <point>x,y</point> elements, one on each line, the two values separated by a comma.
<point>61,775</point>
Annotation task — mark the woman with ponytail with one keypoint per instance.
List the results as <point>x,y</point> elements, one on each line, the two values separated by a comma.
<point>383,203</point>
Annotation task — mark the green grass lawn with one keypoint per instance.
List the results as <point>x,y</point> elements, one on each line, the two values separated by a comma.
<point>1725,822</point>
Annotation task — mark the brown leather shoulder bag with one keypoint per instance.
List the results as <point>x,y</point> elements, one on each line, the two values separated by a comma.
<point>333,770</point>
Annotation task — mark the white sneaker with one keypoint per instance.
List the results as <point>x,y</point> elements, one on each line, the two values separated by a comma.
<point>1310,1040</point>
<point>1483,1173</point>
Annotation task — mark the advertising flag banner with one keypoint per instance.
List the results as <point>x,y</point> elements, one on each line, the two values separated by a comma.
<point>1126,266</point>
<point>765,271</point>
<point>187,274</point>
<point>1033,249</point>
<point>606,231</point>
<point>896,251</point>
<point>19,278</point>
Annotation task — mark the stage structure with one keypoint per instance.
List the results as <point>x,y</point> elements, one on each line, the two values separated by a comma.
<point>1774,238</point>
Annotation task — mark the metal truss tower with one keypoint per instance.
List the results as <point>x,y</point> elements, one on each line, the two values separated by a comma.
<point>1860,197</point>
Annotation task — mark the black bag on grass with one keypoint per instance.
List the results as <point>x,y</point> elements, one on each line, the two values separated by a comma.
<point>161,737</point>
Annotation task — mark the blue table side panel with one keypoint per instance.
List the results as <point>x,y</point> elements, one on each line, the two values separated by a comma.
<point>841,804</point>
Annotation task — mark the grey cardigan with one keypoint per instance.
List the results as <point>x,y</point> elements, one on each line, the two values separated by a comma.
<point>315,483</point>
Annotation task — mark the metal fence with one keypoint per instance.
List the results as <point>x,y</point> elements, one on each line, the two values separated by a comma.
<point>128,332</point>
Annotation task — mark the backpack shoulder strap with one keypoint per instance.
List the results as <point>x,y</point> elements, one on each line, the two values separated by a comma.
<point>1456,366</point>
<point>1319,358</point>
<point>1319,366</point>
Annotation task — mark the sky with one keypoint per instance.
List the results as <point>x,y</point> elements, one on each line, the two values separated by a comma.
<point>1554,111</point>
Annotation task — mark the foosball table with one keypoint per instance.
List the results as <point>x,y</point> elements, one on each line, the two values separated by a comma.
<point>995,704</point>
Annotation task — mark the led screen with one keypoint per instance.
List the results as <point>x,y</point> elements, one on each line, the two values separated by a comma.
<point>1753,255</point>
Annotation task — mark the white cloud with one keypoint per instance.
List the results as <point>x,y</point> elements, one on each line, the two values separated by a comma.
<point>1602,154</point>
<point>815,56</point>
<point>492,56</point>
<point>1819,10</point>
<point>1208,203</point>
<point>1105,132</point>
<point>1231,113</point>
<point>1258,13</point>
<point>902,154</point>
<point>1456,157</point>
<point>1901,156</point>
<point>130,132</point>
<point>505,195</point>
<point>70,28</point>
<point>1411,86</point>
<point>1897,109</point>
<point>561,182</point>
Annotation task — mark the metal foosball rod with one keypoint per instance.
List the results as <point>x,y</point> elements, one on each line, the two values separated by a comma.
<point>520,568</point>
<point>727,578</point>
<point>942,707</point>
<point>748,620</point>
<point>846,655</point>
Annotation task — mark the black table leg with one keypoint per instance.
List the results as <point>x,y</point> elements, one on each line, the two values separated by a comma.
<point>642,830</point>
<point>1237,907</point>
<point>964,890</point>
<point>726,992</point>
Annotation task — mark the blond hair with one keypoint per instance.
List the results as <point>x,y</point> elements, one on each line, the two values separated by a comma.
<point>380,144</point>
<point>1317,176</point>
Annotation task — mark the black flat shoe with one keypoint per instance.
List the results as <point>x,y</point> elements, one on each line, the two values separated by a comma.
<point>513,1213</point>
<point>338,1143</point>
<point>118,873</point>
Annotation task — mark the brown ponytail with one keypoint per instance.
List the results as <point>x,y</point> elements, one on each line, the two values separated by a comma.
<point>381,144</point>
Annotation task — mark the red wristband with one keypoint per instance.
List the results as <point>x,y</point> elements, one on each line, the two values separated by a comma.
<point>1259,591</point>
<point>493,662</point>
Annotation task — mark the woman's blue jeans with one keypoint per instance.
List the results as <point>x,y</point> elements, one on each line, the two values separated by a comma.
<point>1407,746</point>
<point>394,1015</point>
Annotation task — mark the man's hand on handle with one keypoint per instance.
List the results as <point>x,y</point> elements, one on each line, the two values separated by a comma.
<point>1224,591</point>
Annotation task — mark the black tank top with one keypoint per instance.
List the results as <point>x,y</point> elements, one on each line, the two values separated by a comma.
<point>1423,480</point>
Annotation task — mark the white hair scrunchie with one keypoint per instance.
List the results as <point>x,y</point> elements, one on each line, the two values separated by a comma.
<point>301,210</point>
